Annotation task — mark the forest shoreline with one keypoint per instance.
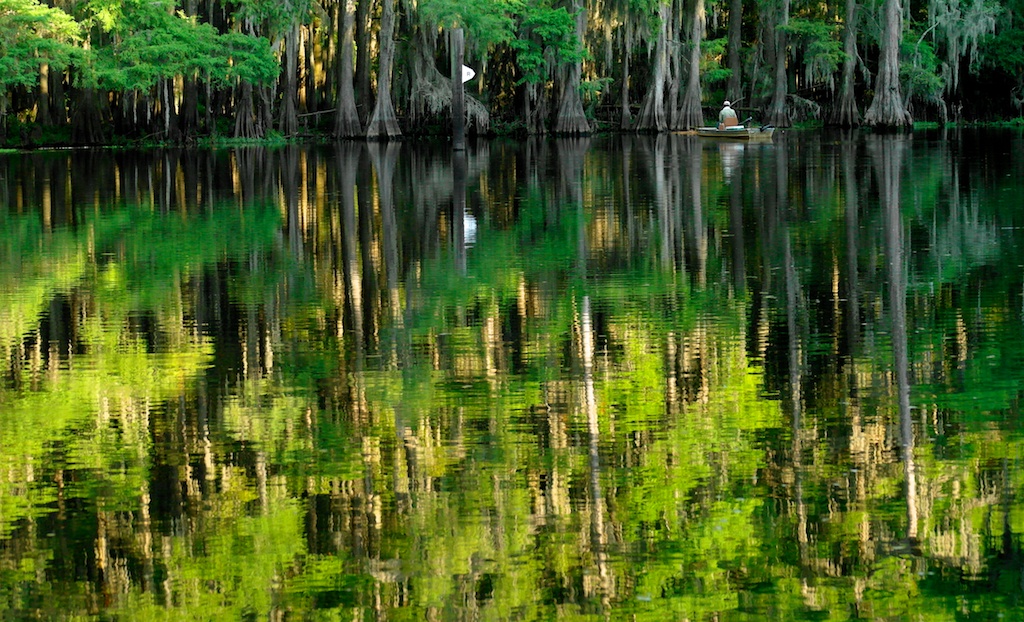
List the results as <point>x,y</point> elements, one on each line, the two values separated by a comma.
<point>34,137</point>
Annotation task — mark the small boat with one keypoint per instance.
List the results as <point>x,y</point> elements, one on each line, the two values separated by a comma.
<point>738,132</point>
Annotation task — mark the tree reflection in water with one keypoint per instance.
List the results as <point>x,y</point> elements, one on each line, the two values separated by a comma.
<point>665,379</point>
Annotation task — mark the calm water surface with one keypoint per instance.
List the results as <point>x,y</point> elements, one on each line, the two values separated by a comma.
<point>627,378</point>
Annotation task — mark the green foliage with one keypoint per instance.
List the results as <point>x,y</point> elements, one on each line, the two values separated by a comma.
<point>30,134</point>
<point>485,23</point>
<point>153,43</point>
<point>32,34</point>
<point>501,126</point>
<point>272,18</point>
<point>592,90</point>
<point>249,59</point>
<point>712,71</point>
<point>820,44</point>
<point>1004,50</point>
<point>922,78</point>
<point>546,39</point>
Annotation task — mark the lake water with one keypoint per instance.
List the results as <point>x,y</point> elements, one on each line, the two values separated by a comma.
<point>626,377</point>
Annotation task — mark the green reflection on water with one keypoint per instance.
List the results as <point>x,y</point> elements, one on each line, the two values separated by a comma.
<point>637,379</point>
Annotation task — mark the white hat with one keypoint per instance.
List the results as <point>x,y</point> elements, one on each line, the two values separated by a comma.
<point>727,102</point>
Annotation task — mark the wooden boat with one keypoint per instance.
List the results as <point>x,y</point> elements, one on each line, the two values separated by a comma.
<point>738,132</point>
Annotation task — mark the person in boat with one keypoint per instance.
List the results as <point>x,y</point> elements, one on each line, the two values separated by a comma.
<point>727,117</point>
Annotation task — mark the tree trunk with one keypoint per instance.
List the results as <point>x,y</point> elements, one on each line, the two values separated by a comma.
<point>87,118</point>
<point>535,109</point>
<point>58,107</point>
<point>887,108</point>
<point>188,116</point>
<point>625,118</point>
<point>675,68</point>
<point>346,117</point>
<point>43,116</point>
<point>246,125</point>
<point>309,102</point>
<point>652,109</point>
<point>289,123</point>
<point>364,92</point>
<point>139,114</point>
<point>250,116</point>
<point>571,119</point>
<point>777,111</point>
<point>690,114</point>
<point>734,89</point>
<point>845,112</point>
<point>384,122</point>
<point>264,109</point>
<point>168,110</point>
<point>3,114</point>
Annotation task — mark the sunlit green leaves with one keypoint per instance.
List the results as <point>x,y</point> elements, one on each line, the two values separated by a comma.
<point>250,59</point>
<point>546,37</point>
<point>152,43</point>
<point>33,34</point>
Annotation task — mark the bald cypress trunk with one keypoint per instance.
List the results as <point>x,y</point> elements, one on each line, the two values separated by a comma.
<point>675,68</point>
<point>778,114</point>
<point>245,118</point>
<point>3,114</point>
<point>364,95</point>
<point>346,117</point>
<point>652,109</point>
<point>87,118</point>
<point>887,108</point>
<point>309,102</point>
<point>250,116</point>
<point>625,118</point>
<point>535,109</point>
<point>188,114</point>
<point>289,122</point>
<point>690,114</point>
<point>58,108</point>
<point>845,111</point>
<point>571,119</point>
<point>384,122</point>
<point>43,98</point>
<point>734,89</point>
